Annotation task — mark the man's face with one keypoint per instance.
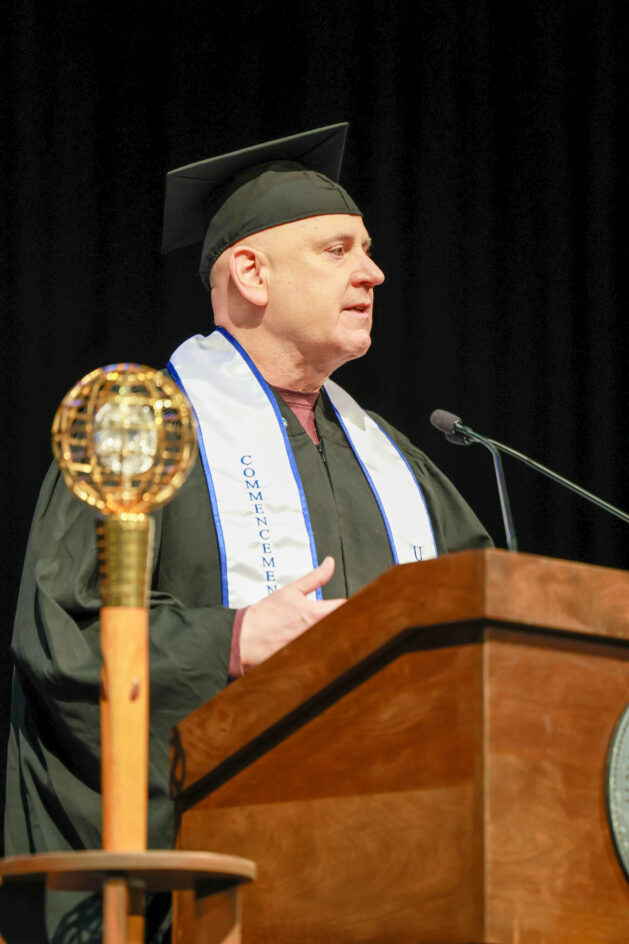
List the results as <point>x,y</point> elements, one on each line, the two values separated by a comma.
<point>320,289</point>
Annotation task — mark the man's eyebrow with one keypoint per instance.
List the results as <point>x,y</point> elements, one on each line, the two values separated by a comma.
<point>366,243</point>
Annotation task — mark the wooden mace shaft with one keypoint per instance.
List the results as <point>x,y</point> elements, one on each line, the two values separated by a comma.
<point>124,719</point>
<point>125,552</point>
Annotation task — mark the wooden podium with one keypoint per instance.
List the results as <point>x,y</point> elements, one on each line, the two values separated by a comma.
<point>427,764</point>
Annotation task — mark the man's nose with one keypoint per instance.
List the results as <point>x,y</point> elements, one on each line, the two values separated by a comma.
<point>368,272</point>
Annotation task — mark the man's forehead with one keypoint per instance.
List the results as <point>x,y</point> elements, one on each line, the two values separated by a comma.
<point>325,226</point>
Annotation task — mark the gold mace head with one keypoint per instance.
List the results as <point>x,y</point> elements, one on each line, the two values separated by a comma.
<point>124,438</point>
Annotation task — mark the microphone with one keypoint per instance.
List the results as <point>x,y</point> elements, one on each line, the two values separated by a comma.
<point>455,432</point>
<point>450,425</point>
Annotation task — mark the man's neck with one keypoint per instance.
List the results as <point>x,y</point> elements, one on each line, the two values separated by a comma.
<point>281,365</point>
<point>293,383</point>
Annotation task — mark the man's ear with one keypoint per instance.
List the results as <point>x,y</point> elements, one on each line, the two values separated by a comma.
<point>248,270</point>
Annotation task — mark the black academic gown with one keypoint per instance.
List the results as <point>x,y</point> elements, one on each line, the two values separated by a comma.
<point>53,776</point>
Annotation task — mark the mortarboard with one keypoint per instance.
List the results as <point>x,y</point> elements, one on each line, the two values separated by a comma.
<point>224,199</point>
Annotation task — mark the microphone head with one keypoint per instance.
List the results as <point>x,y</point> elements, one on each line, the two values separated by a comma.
<point>446,423</point>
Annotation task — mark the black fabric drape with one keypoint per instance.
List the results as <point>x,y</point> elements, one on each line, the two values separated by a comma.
<point>488,148</point>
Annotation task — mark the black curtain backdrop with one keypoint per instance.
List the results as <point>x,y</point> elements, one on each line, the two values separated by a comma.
<point>487,147</point>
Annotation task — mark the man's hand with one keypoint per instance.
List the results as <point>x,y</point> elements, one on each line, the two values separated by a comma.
<point>274,621</point>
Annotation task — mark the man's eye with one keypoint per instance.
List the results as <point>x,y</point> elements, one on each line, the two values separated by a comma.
<point>337,250</point>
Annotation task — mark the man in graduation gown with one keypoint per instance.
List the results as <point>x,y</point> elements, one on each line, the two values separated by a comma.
<point>286,256</point>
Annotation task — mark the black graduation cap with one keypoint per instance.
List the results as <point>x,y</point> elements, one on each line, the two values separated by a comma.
<point>223,199</point>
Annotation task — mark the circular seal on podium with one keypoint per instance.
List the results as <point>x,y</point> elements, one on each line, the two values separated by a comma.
<point>617,792</point>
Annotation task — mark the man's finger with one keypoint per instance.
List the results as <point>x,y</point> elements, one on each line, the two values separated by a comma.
<point>316,578</point>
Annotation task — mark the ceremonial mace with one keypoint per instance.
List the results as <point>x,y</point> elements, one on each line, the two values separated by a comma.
<point>124,438</point>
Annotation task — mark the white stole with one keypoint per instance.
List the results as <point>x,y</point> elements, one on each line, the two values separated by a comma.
<point>258,501</point>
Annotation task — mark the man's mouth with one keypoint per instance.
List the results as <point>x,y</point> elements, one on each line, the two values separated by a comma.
<point>361,308</point>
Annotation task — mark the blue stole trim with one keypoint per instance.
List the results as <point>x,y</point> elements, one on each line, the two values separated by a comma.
<point>210,486</point>
<point>208,474</point>
<point>370,481</point>
<point>289,452</point>
<point>232,404</point>
<point>421,494</point>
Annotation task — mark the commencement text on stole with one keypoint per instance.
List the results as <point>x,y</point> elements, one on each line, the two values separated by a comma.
<point>256,498</point>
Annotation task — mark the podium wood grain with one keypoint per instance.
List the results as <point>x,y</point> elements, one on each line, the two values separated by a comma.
<point>427,764</point>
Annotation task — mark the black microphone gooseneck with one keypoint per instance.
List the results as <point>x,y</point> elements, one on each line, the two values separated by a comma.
<point>456,432</point>
<point>451,426</point>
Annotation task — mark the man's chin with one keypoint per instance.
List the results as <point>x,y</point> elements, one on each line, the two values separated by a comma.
<point>365,347</point>
<point>349,348</point>
<point>358,346</point>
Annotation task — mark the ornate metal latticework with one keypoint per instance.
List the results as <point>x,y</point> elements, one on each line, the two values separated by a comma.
<point>124,438</point>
